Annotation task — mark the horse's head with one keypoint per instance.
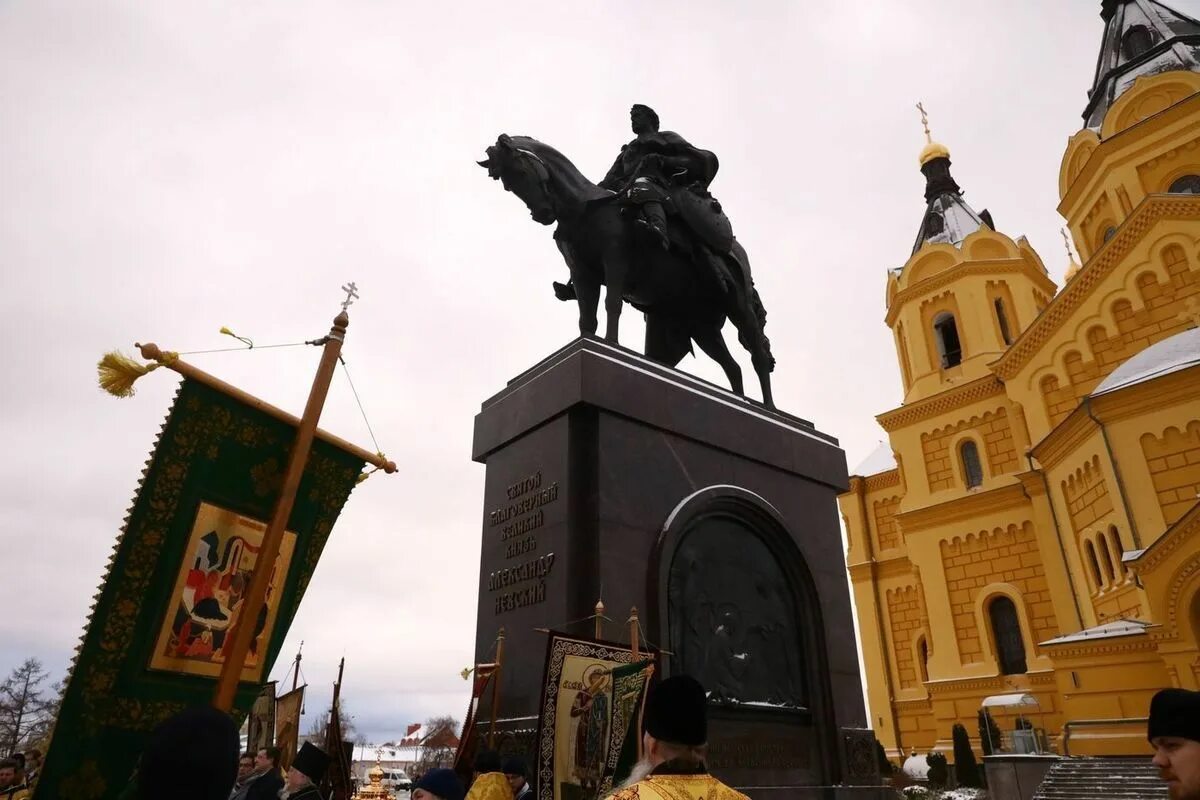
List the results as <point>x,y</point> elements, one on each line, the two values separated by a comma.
<point>524,174</point>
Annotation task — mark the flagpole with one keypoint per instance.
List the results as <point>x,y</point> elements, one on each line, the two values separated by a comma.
<point>256,595</point>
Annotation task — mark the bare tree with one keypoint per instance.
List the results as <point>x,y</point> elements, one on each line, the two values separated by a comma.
<point>27,706</point>
<point>437,749</point>
<point>316,730</point>
<point>438,724</point>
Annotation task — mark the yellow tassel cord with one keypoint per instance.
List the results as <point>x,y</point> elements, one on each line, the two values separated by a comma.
<point>117,372</point>
<point>369,473</point>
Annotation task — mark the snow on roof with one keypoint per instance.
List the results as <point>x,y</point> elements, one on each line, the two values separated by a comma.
<point>880,460</point>
<point>1176,353</point>
<point>1109,630</point>
<point>371,752</point>
<point>948,220</point>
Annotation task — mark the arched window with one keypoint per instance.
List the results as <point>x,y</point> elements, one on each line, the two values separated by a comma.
<point>1188,184</point>
<point>923,659</point>
<point>1093,564</point>
<point>946,334</point>
<point>1110,232</point>
<point>1106,557</point>
<point>1137,40</point>
<point>1002,320</point>
<point>972,468</point>
<point>1006,631</point>
<point>1118,549</point>
<point>935,225</point>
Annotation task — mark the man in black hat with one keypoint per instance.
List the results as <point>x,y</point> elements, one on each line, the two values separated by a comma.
<point>518,774</point>
<point>306,771</point>
<point>438,784</point>
<point>1174,733</point>
<point>675,746</point>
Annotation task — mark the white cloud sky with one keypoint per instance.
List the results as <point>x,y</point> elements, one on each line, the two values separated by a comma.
<point>169,168</point>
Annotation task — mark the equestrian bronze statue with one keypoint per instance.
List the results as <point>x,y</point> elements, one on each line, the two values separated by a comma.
<point>653,235</point>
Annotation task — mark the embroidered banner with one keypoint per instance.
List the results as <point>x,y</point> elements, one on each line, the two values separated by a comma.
<point>260,730</point>
<point>154,641</point>
<point>468,743</point>
<point>629,692</point>
<point>585,716</point>
<point>288,709</point>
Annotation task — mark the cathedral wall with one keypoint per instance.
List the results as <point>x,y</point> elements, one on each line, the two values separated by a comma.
<point>1174,463</point>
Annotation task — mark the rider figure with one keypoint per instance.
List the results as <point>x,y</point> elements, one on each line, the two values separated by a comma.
<point>650,164</point>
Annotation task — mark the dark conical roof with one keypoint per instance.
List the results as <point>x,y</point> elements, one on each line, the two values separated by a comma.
<point>1141,37</point>
<point>948,218</point>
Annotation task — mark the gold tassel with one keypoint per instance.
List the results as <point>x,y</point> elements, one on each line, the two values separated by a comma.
<point>117,372</point>
<point>361,478</point>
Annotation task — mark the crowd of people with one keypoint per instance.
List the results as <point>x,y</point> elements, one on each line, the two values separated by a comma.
<point>195,756</point>
<point>19,773</point>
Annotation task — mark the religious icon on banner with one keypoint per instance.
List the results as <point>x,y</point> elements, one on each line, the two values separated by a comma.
<point>206,604</point>
<point>583,724</point>
<point>288,709</point>
<point>260,731</point>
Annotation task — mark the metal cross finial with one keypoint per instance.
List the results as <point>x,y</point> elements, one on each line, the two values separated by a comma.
<point>1067,243</point>
<point>925,123</point>
<point>351,294</point>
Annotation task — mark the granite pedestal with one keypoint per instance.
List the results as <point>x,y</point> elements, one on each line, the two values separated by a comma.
<point>611,476</point>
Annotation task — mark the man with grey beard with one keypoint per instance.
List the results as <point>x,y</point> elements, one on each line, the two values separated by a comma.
<point>674,741</point>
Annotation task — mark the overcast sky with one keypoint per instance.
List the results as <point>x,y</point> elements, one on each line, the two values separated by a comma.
<point>169,168</point>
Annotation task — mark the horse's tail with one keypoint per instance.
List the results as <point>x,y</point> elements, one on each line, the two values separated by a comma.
<point>757,308</point>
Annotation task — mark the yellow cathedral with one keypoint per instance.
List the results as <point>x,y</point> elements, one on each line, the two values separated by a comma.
<point>1029,536</point>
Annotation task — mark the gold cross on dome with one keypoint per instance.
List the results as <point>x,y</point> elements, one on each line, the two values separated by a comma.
<point>925,123</point>
<point>351,294</point>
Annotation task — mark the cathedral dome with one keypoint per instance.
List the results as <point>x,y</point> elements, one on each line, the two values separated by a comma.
<point>1173,354</point>
<point>931,151</point>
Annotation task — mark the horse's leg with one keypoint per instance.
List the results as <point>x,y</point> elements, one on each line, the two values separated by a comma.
<point>713,343</point>
<point>666,341</point>
<point>615,268</point>
<point>587,294</point>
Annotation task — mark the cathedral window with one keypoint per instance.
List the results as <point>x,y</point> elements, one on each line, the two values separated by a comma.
<point>946,334</point>
<point>1106,557</point>
<point>1002,320</point>
<point>1118,549</point>
<point>1110,232</point>
<point>1137,40</point>
<point>1093,565</point>
<point>1006,631</point>
<point>923,659</point>
<point>935,225</point>
<point>972,467</point>
<point>1188,184</point>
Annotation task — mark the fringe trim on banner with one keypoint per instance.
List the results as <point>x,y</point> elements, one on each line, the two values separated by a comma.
<point>118,372</point>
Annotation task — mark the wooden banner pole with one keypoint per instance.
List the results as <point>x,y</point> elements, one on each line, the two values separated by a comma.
<point>634,632</point>
<point>496,688</point>
<point>256,594</point>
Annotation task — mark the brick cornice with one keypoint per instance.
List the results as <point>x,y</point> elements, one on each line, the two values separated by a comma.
<point>882,480</point>
<point>959,396</point>
<point>967,506</point>
<point>1132,643</point>
<point>1154,208</point>
<point>962,270</point>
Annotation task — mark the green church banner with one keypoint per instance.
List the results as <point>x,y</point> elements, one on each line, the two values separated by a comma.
<point>154,642</point>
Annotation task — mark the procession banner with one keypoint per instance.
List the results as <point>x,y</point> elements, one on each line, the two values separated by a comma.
<point>582,719</point>
<point>154,641</point>
<point>468,743</point>
<point>629,684</point>
<point>260,728</point>
<point>288,709</point>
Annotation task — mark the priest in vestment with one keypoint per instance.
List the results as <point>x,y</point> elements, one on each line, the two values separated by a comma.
<point>674,743</point>
<point>490,782</point>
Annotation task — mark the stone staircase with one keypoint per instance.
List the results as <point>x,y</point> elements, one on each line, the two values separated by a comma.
<point>1110,778</point>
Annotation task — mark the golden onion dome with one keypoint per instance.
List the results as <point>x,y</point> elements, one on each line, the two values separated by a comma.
<point>931,151</point>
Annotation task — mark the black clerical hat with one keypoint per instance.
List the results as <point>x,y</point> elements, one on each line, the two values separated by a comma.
<point>312,761</point>
<point>676,712</point>
<point>1175,712</point>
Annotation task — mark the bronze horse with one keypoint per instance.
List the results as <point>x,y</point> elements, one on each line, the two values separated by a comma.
<point>682,302</point>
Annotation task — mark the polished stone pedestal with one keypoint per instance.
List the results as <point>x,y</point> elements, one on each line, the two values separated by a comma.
<point>611,476</point>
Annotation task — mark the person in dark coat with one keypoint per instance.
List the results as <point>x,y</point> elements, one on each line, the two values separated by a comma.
<point>266,781</point>
<point>306,771</point>
<point>438,784</point>
<point>518,777</point>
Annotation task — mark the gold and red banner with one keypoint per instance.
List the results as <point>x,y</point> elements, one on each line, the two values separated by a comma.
<point>287,725</point>
<point>468,743</point>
